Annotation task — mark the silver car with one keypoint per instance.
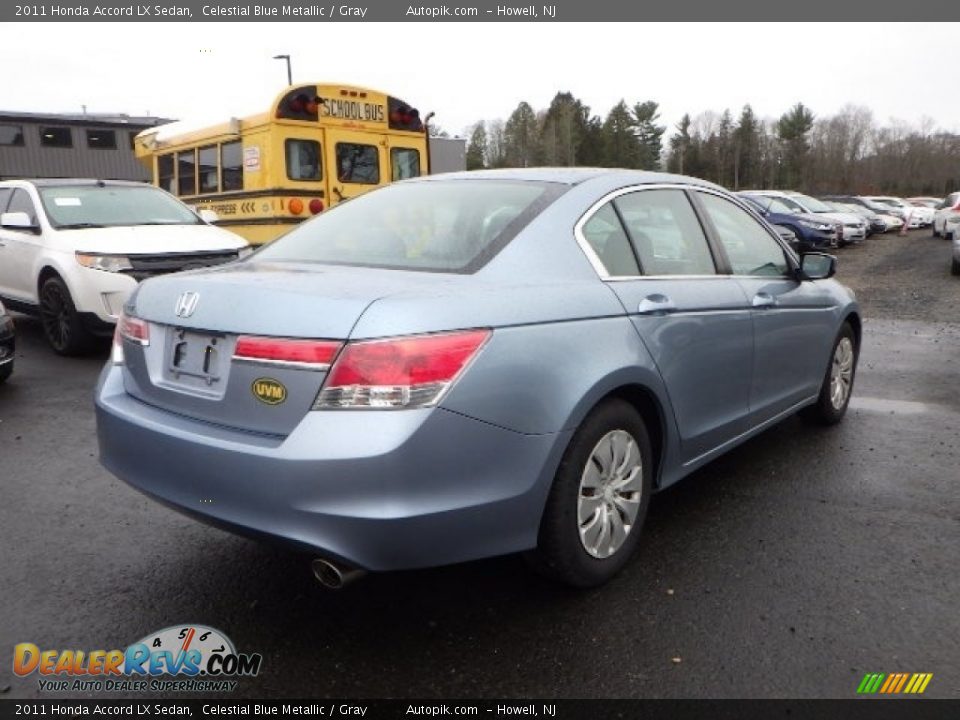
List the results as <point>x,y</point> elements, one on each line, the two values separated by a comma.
<point>474,364</point>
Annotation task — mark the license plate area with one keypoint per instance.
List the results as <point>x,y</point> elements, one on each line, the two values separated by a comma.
<point>195,359</point>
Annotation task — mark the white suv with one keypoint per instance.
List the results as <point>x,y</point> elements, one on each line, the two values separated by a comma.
<point>72,251</point>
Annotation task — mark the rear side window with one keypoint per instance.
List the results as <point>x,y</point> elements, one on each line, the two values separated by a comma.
<point>750,248</point>
<point>303,159</point>
<point>404,163</point>
<point>605,235</point>
<point>5,194</point>
<point>438,226</point>
<point>358,163</point>
<point>665,233</point>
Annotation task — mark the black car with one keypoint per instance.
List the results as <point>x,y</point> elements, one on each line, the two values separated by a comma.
<point>7,343</point>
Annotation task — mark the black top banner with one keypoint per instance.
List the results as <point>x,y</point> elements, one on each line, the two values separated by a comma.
<point>474,11</point>
<point>862,709</point>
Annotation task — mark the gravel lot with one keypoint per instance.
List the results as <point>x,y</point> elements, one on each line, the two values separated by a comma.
<point>789,567</point>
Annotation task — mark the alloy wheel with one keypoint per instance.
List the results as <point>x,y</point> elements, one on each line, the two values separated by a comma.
<point>55,315</point>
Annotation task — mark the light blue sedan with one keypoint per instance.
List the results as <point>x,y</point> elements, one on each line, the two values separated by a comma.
<point>474,364</point>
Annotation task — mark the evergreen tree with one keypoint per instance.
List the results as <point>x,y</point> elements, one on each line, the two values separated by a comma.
<point>680,146</point>
<point>746,153</point>
<point>649,134</point>
<point>621,148</point>
<point>477,147</point>
<point>520,137</point>
<point>793,129</point>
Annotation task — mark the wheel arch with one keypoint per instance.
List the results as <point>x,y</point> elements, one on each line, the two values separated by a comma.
<point>856,323</point>
<point>648,397</point>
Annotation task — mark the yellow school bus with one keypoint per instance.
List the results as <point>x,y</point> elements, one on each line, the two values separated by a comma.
<point>316,146</point>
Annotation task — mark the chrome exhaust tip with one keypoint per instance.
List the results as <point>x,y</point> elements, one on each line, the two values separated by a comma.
<point>333,575</point>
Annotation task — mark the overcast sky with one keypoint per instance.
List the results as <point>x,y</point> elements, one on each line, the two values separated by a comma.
<point>468,71</point>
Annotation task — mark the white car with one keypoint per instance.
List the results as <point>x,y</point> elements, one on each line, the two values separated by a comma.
<point>854,226</point>
<point>915,216</point>
<point>72,251</point>
<point>946,218</point>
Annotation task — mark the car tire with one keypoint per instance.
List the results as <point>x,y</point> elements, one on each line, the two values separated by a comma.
<point>5,372</point>
<point>606,478</point>
<point>837,386</point>
<point>936,233</point>
<point>61,323</point>
<point>955,266</point>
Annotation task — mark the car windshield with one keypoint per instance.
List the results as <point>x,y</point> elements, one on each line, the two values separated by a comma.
<point>438,226</point>
<point>812,204</point>
<point>892,202</point>
<point>86,206</point>
<point>779,207</point>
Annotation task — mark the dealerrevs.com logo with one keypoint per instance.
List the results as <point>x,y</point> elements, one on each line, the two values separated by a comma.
<point>180,658</point>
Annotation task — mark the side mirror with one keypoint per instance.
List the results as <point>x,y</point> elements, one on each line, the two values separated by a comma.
<point>208,215</point>
<point>18,221</point>
<point>817,266</point>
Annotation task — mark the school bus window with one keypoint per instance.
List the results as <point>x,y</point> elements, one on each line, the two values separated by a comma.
<point>404,163</point>
<point>358,163</point>
<point>165,176</point>
<point>207,168</point>
<point>303,159</point>
<point>186,175</point>
<point>231,164</point>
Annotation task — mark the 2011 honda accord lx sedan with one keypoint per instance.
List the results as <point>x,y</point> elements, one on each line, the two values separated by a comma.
<point>474,364</point>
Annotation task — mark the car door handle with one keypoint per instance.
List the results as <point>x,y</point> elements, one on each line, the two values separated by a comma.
<point>656,304</point>
<point>764,300</point>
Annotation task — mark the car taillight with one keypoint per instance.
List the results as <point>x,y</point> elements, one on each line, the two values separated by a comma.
<point>403,372</point>
<point>128,328</point>
<point>307,354</point>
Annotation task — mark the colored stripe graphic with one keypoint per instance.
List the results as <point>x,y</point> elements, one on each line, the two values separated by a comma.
<point>894,683</point>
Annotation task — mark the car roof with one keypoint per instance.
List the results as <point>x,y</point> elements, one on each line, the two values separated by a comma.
<point>572,176</point>
<point>60,182</point>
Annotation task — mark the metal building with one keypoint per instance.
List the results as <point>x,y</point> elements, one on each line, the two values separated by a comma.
<point>54,145</point>
<point>447,155</point>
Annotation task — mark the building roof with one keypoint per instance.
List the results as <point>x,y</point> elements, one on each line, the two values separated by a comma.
<point>117,119</point>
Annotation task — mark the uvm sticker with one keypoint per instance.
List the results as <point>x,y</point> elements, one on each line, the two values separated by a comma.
<point>269,391</point>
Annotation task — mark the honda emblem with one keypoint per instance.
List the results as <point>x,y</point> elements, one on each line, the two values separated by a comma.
<point>186,304</point>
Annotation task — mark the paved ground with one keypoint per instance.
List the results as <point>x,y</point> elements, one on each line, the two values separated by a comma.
<point>790,567</point>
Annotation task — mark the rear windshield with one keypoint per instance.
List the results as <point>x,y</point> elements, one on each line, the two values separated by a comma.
<point>813,204</point>
<point>85,206</point>
<point>452,226</point>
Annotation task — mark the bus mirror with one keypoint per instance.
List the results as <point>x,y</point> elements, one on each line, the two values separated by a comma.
<point>208,215</point>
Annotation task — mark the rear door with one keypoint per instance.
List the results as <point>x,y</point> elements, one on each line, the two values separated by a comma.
<point>792,320</point>
<point>357,163</point>
<point>695,323</point>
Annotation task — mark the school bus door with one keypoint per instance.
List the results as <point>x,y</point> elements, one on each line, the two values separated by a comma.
<point>357,161</point>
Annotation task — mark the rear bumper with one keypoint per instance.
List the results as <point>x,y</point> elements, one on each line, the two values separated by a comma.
<point>381,490</point>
